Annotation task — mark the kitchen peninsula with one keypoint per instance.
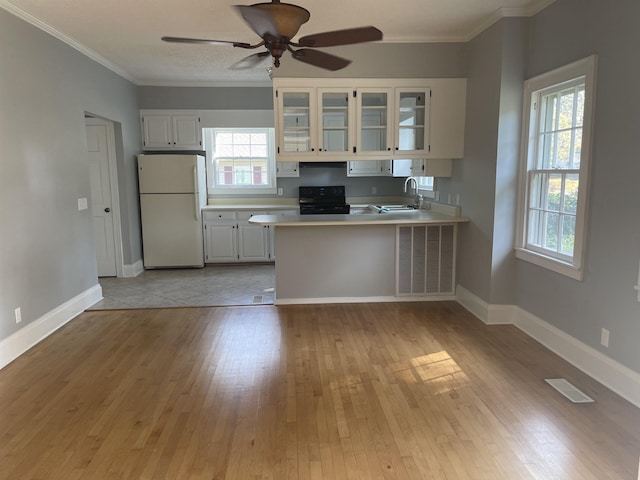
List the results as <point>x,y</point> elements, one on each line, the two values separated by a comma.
<point>365,258</point>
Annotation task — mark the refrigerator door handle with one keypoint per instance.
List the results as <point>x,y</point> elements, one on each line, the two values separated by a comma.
<point>196,194</point>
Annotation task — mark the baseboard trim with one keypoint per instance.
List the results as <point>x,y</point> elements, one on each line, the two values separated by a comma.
<point>487,313</point>
<point>22,340</point>
<point>133,270</point>
<point>393,299</point>
<point>613,375</point>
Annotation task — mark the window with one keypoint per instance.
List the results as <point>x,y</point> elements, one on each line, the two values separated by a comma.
<point>558,110</point>
<point>240,160</point>
<point>425,183</point>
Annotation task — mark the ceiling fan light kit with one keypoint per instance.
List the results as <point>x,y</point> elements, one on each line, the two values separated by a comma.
<point>276,24</point>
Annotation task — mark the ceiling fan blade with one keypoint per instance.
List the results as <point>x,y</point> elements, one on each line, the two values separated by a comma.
<point>320,59</point>
<point>250,61</point>
<point>341,37</point>
<point>274,20</point>
<point>206,41</point>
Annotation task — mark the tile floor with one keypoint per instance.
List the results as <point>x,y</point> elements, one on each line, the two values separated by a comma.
<point>201,287</point>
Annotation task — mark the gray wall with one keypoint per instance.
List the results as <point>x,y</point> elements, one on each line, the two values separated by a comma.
<point>354,186</point>
<point>206,98</point>
<point>487,178</point>
<point>47,247</point>
<point>475,175</point>
<point>503,262</point>
<point>330,261</point>
<point>380,60</point>
<point>564,32</point>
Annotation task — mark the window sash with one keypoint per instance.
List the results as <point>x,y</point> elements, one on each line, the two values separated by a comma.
<point>552,212</point>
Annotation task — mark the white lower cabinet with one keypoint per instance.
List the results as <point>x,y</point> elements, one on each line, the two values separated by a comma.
<point>253,240</point>
<point>220,237</point>
<point>230,238</point>
<point>425,259</point>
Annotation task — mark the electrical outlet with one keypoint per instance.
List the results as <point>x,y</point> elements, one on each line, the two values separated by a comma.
<point>280,192</point>
<point>374,190</point>
<point>604,337</point>
<point>18,314</point>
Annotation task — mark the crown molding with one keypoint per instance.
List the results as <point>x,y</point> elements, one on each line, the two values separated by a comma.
<point>501,13</point>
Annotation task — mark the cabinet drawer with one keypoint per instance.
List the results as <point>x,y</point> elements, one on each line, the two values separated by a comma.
<point>247,214</point>
<point>221,216</point>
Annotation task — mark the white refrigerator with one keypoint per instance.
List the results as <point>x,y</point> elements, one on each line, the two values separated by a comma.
<point>173,190</point>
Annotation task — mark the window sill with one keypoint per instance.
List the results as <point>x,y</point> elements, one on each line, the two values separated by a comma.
<point>550,263</point>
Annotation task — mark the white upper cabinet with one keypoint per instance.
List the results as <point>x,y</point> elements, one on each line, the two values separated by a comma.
<point>412,121</point>
<point>374,119</point>
<point>287,169</point>
<point>369,119</point>
<point>336,122</point>
<point>295,110</point>
<point>369,168</point>
<point>448,108</point>
<point>171,130</point>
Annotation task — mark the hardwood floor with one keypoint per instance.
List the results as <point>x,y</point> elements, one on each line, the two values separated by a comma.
<point>358,391</point>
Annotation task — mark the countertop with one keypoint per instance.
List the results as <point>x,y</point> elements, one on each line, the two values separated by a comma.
<point>419,216</point>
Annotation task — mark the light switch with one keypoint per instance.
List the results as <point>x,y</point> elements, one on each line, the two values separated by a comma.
<point>83,204</point>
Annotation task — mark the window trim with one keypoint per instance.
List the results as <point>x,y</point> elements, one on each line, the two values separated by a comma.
<point>586,68</point>
<point>214,189</point>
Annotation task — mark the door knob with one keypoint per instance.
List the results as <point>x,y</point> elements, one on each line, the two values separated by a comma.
<point>107,209</point>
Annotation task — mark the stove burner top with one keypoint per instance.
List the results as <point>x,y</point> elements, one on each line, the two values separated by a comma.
<point>322,200</point>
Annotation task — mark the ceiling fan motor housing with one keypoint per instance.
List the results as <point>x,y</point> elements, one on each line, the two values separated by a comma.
<point>279,19</point>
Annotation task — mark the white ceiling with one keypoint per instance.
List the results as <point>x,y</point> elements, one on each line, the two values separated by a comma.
<point>124,35</point>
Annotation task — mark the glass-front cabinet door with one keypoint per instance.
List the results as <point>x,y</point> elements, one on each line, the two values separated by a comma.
<point>296,119</point>
<point>412,121</point>
<point>374,117</point>
<point>336,137</point>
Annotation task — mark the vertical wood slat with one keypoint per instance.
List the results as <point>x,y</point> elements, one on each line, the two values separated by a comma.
<point>425,259</point>
<point>433,259</point>
<point>404,268</point>
<point>419,260</point>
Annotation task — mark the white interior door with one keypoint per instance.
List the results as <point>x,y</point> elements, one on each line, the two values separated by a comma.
<point>98,154</point>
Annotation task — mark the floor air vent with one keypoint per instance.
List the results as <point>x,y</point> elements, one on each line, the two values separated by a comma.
<point>569,390</point>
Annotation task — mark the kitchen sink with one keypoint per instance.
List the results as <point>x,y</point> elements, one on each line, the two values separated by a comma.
<point>391,208</point>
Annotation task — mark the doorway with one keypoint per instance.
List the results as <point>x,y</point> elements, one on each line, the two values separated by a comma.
<point>105,207</point>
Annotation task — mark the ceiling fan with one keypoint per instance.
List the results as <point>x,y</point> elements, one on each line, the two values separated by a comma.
<point>277,23</point>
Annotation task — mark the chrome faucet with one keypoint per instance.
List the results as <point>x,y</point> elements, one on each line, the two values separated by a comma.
<point>417,201</point>
<point>408,180</point>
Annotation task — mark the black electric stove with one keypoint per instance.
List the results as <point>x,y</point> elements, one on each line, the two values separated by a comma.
<point>322,200</point>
